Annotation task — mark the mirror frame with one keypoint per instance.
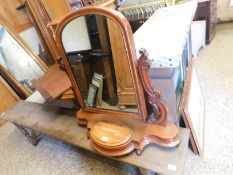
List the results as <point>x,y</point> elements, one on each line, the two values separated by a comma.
<point>126,30</point>
<point>27,49</point>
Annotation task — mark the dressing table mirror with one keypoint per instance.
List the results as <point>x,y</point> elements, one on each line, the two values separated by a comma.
<point>18,65</point>
<point>98,52</point>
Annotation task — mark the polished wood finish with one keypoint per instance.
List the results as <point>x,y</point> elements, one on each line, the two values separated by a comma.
<point>56,9</point>
<point>23,27</point>
<point>142,132</point>
<point>8,98</point>
<point>158,112</point>
<point>125,87</point>
<point>7,95</point>
<point>124,26</point>
<point>40,19</point>
<point>53,84</point>
<point>67,95</point>
<point>15,82</point>
<point>109,134</point>
<point>16,18</point>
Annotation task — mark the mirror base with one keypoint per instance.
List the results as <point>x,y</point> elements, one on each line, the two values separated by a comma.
<point>134,134</point>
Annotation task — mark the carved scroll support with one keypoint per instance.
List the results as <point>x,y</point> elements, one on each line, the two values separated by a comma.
<point>158,113</point>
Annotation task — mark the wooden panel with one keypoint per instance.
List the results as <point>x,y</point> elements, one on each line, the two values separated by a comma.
<point>53,84</point>
<point>8,98</point>
<point>24,26</point>
<point>125,87</point>
<point>56,8</point>
<point>8,95</point>
<point>17,18</point>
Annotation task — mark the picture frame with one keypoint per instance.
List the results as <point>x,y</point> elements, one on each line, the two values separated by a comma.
<point>91,95</point>
<point>192,109</point>
<point>75,4</point>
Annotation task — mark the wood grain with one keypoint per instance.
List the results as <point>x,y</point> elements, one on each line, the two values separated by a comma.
<point>56,9</point>
<point>53,84</point>
<point>125,87</point>
<point>110,134</point>
<point>17,18</point>
<point>127,34</point>
<point>142,133</point>
<point>8,98</point>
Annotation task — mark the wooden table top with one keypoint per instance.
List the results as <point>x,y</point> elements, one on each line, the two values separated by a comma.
<point>61,124</point>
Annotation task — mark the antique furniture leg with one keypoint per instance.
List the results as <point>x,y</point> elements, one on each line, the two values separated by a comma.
<point>33,138</point>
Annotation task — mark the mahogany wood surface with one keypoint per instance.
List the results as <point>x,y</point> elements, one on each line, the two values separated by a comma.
<point>56,8</point>
<point>125,28</point>
<point>53,84</point>
<point>109,134</point>
<point>142,133</point>
<point>158,112</point>
<point>16,18</point>
<point>8,98</point>
<point>7,95</point>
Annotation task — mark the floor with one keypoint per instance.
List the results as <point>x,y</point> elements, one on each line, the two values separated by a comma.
<point>215,72</point>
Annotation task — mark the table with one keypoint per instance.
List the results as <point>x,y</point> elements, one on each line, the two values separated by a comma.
<point>61,124</point>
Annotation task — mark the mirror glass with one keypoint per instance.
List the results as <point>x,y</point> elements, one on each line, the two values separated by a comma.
<point>95,48</point>
<point>17,61</point>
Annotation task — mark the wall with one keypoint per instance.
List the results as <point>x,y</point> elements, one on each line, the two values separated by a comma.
<point>224,12</point>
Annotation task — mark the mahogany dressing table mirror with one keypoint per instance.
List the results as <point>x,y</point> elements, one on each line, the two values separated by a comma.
<point>18,64</point>
<point>98,52</point>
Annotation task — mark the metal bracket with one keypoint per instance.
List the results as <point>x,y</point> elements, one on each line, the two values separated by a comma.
<point>33,138</point>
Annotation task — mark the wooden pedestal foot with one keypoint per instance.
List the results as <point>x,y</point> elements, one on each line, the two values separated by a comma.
<point>112,138</point>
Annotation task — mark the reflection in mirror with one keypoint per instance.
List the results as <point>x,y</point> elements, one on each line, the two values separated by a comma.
<point>17,61</point>
<point>95,48</point>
